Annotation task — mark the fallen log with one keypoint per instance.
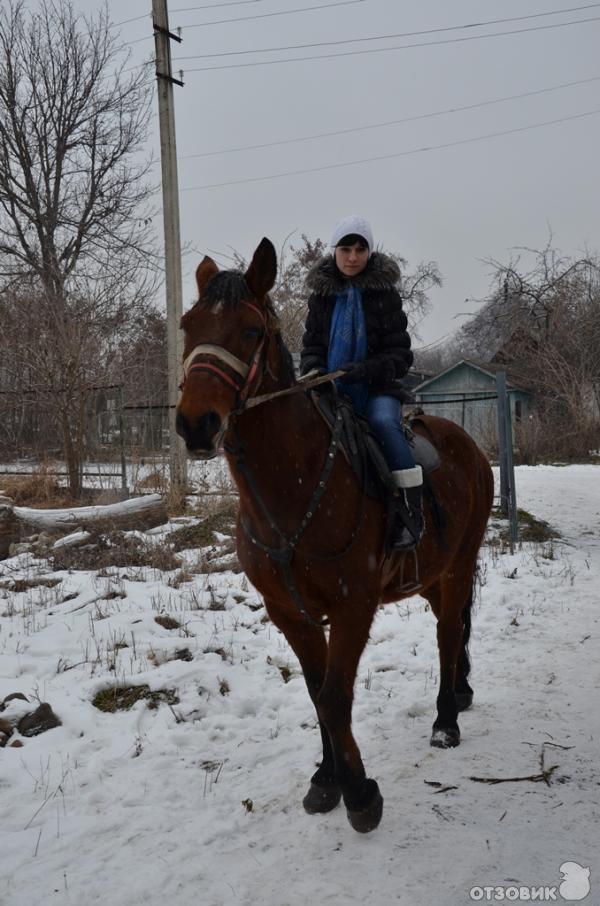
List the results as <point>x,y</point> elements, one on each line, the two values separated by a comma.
<point>139,513</point>
<point>8,528</point>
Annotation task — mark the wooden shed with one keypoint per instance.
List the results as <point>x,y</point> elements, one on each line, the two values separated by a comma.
<point>465,394</point>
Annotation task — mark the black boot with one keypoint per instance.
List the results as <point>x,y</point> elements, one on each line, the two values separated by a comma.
<point>405,538</point>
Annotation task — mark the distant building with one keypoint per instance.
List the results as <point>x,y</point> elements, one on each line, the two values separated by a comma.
<point>465,394</point>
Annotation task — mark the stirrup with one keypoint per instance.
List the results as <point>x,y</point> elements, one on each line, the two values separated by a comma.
<point>406,541</point>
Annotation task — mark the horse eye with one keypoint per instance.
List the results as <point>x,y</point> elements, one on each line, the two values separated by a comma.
<point>253,333</point>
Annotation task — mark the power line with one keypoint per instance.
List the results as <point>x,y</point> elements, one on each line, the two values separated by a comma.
<point>187,9</point>
<point>352,53</point>
<point>127,21</point>
<point>406,34</point>
<point>285,12</point>
<point>366,160</point>
<point>190,9</point>
<point>406,119</point>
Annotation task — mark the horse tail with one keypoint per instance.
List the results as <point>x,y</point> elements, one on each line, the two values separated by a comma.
<point>465,660</point>
<point>466,620</point>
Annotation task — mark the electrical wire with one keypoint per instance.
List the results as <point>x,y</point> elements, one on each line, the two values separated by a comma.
<point>190,9</point>
<point>127,21</point>
<point>284,12</point>
<point>406,34</point>
<point>352,53</point>
<point>405,119</point>
<point>397,154</point>
<point>187,9</point>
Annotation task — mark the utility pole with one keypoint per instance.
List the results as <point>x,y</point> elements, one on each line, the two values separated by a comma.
<point>170,193</point>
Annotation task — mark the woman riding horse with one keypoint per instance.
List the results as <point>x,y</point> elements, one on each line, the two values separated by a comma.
<point>308,537</point>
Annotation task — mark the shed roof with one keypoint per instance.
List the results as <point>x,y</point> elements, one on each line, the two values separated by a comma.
<point>514,380</point>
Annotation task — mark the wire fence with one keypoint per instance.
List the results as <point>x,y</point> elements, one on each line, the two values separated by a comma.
<point>126,446</point>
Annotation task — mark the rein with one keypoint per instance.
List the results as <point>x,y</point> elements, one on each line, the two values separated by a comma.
<point>301,386</point>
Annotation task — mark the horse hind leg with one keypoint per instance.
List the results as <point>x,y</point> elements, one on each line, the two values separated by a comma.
<point>463,692</point>
<point>450,601</point>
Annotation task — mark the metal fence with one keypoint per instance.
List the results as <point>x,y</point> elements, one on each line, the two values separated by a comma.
<point>126,445</point>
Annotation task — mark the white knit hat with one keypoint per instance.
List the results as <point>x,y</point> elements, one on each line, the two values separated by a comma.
<point>354,225</point>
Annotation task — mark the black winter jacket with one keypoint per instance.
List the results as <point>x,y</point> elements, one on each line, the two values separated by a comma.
<point>388,343</point>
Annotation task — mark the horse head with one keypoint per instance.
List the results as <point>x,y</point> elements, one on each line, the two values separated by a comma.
<point>226,346</point>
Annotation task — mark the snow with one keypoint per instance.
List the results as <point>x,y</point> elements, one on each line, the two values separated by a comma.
<point>147,806</point>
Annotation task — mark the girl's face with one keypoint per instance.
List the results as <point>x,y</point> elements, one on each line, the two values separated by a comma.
<point>351,259</point>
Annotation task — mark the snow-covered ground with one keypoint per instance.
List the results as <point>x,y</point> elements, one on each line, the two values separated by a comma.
<point>199,802</point>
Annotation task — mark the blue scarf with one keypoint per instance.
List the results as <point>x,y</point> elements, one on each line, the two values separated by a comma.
<point>348,342</point>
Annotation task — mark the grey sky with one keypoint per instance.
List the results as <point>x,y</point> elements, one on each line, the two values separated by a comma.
<point>457,205</point>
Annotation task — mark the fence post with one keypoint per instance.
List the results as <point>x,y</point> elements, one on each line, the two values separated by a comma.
<point>124,487</point>
<point>508,495</point>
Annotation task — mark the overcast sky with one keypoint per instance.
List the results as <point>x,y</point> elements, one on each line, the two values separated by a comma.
<point>456,205</point>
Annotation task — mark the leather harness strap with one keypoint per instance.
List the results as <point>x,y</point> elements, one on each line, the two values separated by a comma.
<point>219,353</point>
<point>283,555</point>
<point>196,361</point>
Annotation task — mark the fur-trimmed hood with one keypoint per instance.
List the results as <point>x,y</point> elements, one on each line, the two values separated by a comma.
<point>325,279</point>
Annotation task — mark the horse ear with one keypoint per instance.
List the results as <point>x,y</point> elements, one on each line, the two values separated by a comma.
<point>261,274</point>
<point>205,271</point>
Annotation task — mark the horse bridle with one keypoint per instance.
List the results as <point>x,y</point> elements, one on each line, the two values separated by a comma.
<point>243,374</point>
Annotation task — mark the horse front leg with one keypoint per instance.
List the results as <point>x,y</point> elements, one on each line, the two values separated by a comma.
<point>347,640</point>
<point>310,647</point>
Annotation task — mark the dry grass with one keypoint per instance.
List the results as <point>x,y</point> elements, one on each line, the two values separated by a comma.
<point>531,529</point>
<point>154,481</point>
<point>39,489</point>
<point>222,519</point>
<point>115,549</point>
<point>167,622</point>
<point>122,698</point>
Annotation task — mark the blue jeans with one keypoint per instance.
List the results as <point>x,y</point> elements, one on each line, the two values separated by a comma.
<point>384,414</point>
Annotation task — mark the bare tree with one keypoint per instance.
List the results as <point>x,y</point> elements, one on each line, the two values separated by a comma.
<point>543,320</point>
<point>76,238</point>
<point>415,288</point>
<point>289,293</point>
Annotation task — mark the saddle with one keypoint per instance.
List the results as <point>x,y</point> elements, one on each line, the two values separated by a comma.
<point>362,450</point>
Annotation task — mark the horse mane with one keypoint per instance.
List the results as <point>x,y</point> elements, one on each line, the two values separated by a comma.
<point>227,289</point>
<point>288,371</point>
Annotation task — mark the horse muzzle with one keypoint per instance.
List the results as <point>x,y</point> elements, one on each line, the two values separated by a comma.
<point>203,435</point>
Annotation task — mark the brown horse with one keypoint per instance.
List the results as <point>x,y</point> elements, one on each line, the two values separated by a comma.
<point>308,538</point>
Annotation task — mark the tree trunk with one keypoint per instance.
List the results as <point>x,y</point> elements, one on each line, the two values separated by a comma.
<point>72,459</point>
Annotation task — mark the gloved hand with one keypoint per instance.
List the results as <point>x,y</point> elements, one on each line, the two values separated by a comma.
<point>325,387</point>
<point>376,370</point>
<point>355,371</point>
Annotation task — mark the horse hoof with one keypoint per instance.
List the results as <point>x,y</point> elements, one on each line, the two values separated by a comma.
<point>447,738</point>
<point>320,799</point>
<point>367,819</point>
<point>464,700</point>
